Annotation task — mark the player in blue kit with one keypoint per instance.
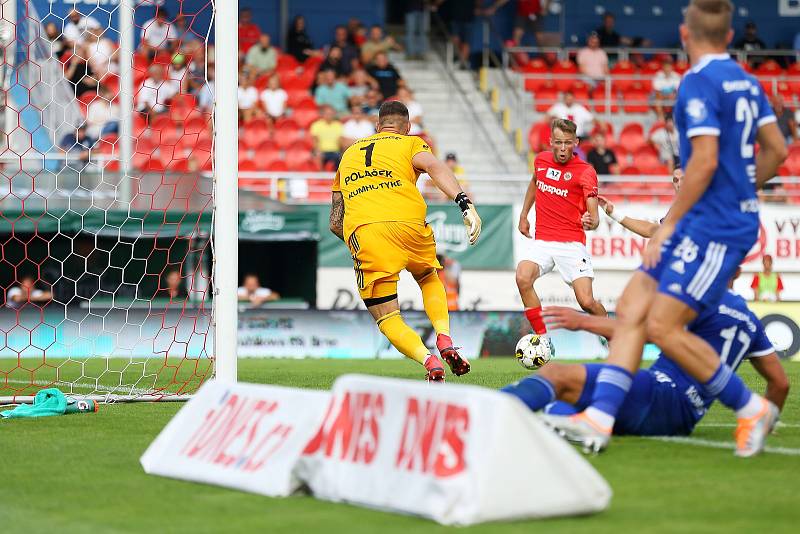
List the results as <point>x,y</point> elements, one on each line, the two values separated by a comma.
<point>720,112</point>
<point>663,400</point>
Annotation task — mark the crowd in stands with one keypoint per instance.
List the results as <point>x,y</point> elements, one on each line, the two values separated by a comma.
<point>299,108</point>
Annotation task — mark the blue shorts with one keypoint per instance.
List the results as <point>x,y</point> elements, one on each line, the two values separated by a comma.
<point>695,269</point>
<point>655,405</point>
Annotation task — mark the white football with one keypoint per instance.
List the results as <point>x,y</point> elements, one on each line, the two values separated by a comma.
<point>533,351</point>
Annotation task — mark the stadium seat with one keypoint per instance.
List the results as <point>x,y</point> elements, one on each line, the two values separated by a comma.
<point>305,117</point>
<point>298,98</point>
<point>636,101</point>
<point>297,158</point>
<point>265,158</point>
<point>252,137</point>
<point>680,66</point>
<point>261,186</point>
<point>286,62</point>
<point>544,99</point>
<point>535,73</point>
<point>565,73</point>
<point>248,166</point>
<point>632,136</point>
<point>297,83</point>
<point>277,166</point>
<point>651,67</point>
<point>630,170</point>
<point>285,137</point>
<point>304,143</point>
<point>622,75</point>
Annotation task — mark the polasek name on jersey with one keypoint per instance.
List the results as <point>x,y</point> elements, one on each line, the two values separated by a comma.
<point>365,174</point>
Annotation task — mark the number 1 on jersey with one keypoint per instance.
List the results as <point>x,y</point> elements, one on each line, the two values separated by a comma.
<point>368,154</point>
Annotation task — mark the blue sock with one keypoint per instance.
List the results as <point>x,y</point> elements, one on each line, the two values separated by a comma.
<point>611,389</point>
<point>560,408</point>
<point>726,386</point>
<point>535,391</point>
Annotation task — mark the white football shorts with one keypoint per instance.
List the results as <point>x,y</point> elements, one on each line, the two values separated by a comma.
<point>571,258</point>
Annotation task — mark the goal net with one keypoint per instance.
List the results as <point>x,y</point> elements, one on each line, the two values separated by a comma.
<point>107,203</point>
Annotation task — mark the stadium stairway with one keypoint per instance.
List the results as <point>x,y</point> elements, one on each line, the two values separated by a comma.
<point>460,121</point>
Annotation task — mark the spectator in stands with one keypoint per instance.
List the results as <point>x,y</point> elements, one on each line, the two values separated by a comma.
<point>156,92</point>
<point>332,92</point>
<point>298,43</point>
<point>205,91</point>
<point>405,96</point>
<point>273,98</point>
<point>785,117</point>
<point>602,158</point>
<point>186,41</point>
<point>327,134</point>
<point>460,14</point>
<point>767,285</point>
<point>249,32</point>
<point>103,55</point>
<point>360,85</point>
<point>79,72</point>
<point>751,42</point>
<point>450,275</point>
<point>20,295</point>
<point>529,18</point>
<point>610,38</point>
<point>56,40</point>
<point>172,287</point>
<point>333,61</point>
<point>350,53</point>
<point>262,57</point>
<point>416,28</point>
<point>451,160</point>
<point>665,141</point>
<point>158,33</point>
<point>665,86</point>
<point>376,43</point>
<point>356,32</point>
<point>577,113</point>
<point>251,291</point>
<point>385,74</point>
<point>593,60</point>
<point>76,25</point>
<point>372,103</point>
<point>102,115</point>
<point>248,100</point>
<point>77,144</point>
<point>178,71</point>
<point>356,127</point>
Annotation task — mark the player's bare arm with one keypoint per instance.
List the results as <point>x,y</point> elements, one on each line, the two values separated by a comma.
<point>771,369</point>
<point>699,172</point>
<point>637,226</point>
<point>571,319</point>
<point>527,204</point>
<point>591,219</point>
<point>772,153</point>
<point>445,180</point>
<point>336,222</point>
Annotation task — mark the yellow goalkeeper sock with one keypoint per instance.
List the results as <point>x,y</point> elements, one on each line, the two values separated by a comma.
<point>435,300</point>
<point>403,337</point>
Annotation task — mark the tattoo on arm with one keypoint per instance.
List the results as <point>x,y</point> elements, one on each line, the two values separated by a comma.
<point>337,215</point>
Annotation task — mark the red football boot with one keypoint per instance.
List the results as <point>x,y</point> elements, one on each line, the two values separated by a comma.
<point>458,364</point>
<point>435,369</point>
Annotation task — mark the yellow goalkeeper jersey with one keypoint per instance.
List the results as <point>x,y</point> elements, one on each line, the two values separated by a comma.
<point>379,182</point>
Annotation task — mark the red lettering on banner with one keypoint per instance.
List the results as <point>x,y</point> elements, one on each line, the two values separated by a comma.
<point>239,419</point>
<point>782,248</point>
<point>433,439</point>
<point>355,429</point>
<point>617,246</point>
<point>637,247</point>
<point>598,247</point>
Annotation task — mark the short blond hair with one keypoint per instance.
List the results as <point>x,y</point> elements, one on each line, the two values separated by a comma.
<point>710,20</point>
<point>565,125</point>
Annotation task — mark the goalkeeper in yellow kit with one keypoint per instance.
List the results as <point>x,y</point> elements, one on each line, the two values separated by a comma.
<point>378,211</point>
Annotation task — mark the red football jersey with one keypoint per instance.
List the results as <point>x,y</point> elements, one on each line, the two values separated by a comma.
<point>561,193</point>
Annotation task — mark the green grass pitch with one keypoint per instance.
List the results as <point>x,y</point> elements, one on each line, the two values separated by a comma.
<point>81,473</point>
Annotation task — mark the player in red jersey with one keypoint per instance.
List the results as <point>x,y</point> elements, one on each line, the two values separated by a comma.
<point>564,189</point>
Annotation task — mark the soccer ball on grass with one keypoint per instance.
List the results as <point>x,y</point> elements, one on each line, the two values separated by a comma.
<point>533,351</point>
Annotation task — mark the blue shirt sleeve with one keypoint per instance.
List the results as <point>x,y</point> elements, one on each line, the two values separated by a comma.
<point>761,345</point>
<point>701,106</point>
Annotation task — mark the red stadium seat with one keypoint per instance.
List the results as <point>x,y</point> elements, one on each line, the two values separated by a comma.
<point>680,66</point>
<point>304,143</point>
<point>565,73</point>
<point>252,137</point>
<point>265,158</point>
<point>268,146</point>
<point>286,62</point>
<point>248,166</point>
<point>285,137</point>
<point>296,158</point>
<point>261,186</point>
<point>297,83</point>
<point>277,166</point>
<point>650,67</point>
<point>636,102</point>
<point>630,170</point>
<point>544,99</point>
<point>297,97</point>
<point>305,117</point>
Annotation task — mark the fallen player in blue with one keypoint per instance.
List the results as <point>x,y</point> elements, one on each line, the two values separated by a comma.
<point>663,400</point>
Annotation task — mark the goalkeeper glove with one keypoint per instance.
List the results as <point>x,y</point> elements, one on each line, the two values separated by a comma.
<point>471,219</point>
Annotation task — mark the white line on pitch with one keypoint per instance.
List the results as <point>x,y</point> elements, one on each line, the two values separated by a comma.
<point>720,444</point>
<point>96,387</point>
<point>732,425</point>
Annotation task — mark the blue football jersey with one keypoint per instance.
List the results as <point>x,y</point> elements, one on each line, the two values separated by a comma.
<point>733,331</point>
<point>717,97</point>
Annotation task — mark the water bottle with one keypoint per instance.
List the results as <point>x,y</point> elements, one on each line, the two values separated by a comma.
<point>81,405</point>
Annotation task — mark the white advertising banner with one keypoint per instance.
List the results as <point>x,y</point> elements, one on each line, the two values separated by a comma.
<point>614,248</point>
<point>242,436</point>
<point>456,454</point>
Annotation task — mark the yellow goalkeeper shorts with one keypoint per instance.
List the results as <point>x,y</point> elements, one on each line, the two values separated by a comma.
<point>381,250</point>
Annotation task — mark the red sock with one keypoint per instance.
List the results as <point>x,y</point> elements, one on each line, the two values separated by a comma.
<point>534,316</point>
